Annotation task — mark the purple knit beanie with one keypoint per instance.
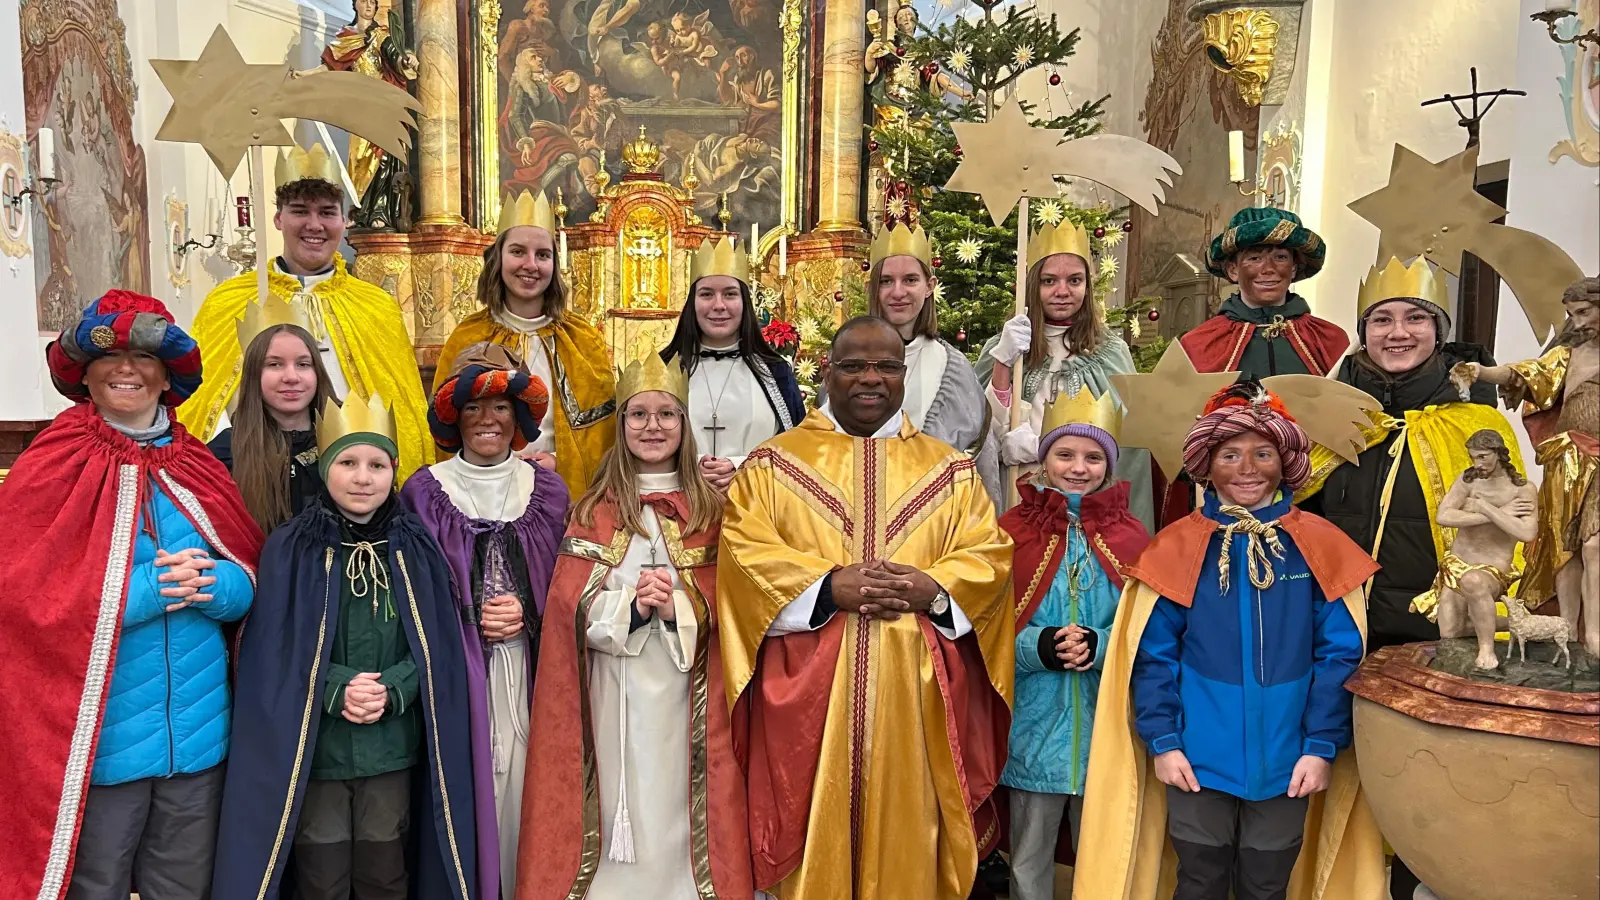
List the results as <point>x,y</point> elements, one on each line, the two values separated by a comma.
<point>1093,433</point>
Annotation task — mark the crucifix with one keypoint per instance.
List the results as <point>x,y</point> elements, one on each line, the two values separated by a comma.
<point>1471,122</point>
<point>714,428</point>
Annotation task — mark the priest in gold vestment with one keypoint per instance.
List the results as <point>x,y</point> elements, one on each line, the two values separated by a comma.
<point>867,644</point>
<point>525,309</point>
<point>359,328</point>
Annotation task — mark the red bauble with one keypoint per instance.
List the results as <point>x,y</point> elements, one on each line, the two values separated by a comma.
<point>1154,315</point>
<point>957,150</point>
<point>1055,80</point>
<point>962,335</point>
<point>900,51</point>
<point>872,145</point>
<point>938,262</point>
<point>1099,232</point>
<point>866,266</point>
<point>1127,227</point>
<point>838,296</point>
<point>900,186</point>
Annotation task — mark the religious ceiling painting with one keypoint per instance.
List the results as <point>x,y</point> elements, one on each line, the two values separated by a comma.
<point>577,79</point>
<point>92,233</point>
<point>1189,109</point>
<point>1580,89</point>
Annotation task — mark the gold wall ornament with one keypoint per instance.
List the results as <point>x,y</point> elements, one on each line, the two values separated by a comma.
<point>13,178</point>
<point>1241,43</point>
<point>641,155</point>
<point>177,233</point>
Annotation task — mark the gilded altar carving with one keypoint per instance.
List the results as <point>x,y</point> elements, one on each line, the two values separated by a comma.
<point>1241,42</point>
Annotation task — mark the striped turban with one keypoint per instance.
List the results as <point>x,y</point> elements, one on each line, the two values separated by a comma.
<point>124,320</point>
<point>1241,408</point>
<point>488,370</point>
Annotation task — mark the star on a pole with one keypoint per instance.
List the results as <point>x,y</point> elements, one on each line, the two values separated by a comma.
<point>1428,209</point>
<point>1162,405</point>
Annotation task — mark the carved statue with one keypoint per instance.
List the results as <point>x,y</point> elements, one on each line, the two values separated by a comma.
<point>1493,508</point>
<point>1560,397</point>
<point>379,51</point>
<point>890,78</point>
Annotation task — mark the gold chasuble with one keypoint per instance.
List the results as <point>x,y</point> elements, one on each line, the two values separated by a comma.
<point>582,399</point>
<point>870,747</point>
<point>359,321</point>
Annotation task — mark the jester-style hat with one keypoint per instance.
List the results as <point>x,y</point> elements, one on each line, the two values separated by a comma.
<point>1084,415</point>
<point>1050,240</point>
<point>526,209</point>
<point>123,320</point>
<point>719,259</point>
<point>298,163</point>
<point>1266,227</point>
<point>651,374</point>
<point>487,370</point>
<point>901,240</point>
<point>268,313</point>
<point>361,420</point>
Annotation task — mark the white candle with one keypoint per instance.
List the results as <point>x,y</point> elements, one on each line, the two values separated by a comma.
<point>1558,6</point>
<point>1236,157</point>
<point>211,213</point>
<point>783,255</point>
<point>755,237</point>
<point>564,258</point>
<point>47,153</point>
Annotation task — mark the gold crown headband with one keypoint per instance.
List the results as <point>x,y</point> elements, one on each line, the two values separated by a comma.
<point>900,240</point>
<point>1064,238</point>
<point>1084,408</point>
<point>651,374</point>
<point>526,209</point>
<point>1397,282</point>
<point>719,259</point>
<point>267,313</point>
<point>356,416</point>
<point>297,162</point>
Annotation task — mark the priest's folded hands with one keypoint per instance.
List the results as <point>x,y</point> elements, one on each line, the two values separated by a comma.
<point>883,589</point>
<point>501,618</point>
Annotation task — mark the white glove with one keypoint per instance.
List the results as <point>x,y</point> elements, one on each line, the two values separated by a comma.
<point>1016,336</point>
<point>1020,447</point>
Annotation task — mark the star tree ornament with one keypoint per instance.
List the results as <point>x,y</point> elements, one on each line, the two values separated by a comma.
<point>968,250</point>
<point>1022,56</point>
<point>1431,209</point>
<point>1050,212</point>
<point>960,60</point>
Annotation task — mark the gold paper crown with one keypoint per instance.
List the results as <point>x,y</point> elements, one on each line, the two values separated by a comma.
<point>297,162</point>
<point>719,259</point>
<point>1064,238</point>
<point>899,240</point>
<point>1395,281</point>
<point>1083,408</point>
<point>651,374</point>
<point>259,316</point>
<point>356,416</point>
<point>527,209</point>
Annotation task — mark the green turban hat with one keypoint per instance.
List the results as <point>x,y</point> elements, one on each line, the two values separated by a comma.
<point>1266,227</point>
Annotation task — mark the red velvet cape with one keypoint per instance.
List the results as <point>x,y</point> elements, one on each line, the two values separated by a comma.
<point>561,796</point>
<point>71,506</point>
<point>1040,517</point>
<point>1218,342</point>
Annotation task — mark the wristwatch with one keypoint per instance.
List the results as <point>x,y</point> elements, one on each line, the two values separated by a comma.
<point>941,603</point>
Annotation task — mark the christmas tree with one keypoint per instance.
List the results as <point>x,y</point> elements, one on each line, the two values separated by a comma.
<point>958,71</point>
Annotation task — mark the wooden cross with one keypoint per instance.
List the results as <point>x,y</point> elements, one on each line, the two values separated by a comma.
<point>714,428</point>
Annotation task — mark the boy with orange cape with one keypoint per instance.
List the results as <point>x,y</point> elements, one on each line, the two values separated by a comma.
<point>1223,728</point>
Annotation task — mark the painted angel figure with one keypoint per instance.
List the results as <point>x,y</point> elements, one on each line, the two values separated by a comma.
<point>1559,394</point>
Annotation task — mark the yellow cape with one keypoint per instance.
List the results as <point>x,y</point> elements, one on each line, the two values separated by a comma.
<point>366,331</point>
<point>1123,851</point>
<point>583,398</point>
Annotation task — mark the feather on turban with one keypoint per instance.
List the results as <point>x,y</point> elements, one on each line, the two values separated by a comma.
<point>1241,408</point>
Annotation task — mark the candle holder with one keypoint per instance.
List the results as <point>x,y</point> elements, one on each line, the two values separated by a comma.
<point>242,252</point>
<point>181,250</point>
<point>36,187</point>
<point>1553,17</point>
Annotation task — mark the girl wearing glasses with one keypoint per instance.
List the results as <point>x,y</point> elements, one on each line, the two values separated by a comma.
<point>630,683</point>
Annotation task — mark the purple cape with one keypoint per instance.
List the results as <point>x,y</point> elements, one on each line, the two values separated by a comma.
<point>538,532</point>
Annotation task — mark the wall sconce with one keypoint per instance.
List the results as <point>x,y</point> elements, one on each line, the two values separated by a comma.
<point>1558,11</point>
<point>46,181</point>
<point>191,243</point>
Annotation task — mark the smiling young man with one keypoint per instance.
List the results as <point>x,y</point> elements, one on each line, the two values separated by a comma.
<point>1265,328</point>
<point>858,554</point>
<point>360,333</point>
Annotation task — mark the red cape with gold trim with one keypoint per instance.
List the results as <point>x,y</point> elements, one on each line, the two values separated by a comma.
<point>72,506</point>
<point>560,841</point>
<point>1216,344</point>
<point>1037,522</point>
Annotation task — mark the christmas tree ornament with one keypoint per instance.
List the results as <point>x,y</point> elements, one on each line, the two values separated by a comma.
<point>960,60</point>
<point>1050,212</point>
<point>838,296</point>
<point>957,151</point>
<point>1112,238</point>
<point>962,334</point>
<point>938,262</point>
<point>1108,266</point>
<point>1023,55</point>
<point>1100,231</point>
<point>866,266</point>
<point>1127,227</point>
<point>1055,79</point>
<point>1011,159</point>
<point>900,52</point>
<point>968,250</point>
<point>873,145</point>
<point>1153,315</point>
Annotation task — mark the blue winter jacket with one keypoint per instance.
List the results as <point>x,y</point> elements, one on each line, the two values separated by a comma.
<point>1054,710</point>
<point>167,712</point>
<point>1247,681</point>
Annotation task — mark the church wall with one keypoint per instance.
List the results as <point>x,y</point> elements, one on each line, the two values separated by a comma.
<point>21,352</point>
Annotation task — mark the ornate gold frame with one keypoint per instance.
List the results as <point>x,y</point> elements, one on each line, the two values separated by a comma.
<point>487,105</point>
<point>1241,43</point>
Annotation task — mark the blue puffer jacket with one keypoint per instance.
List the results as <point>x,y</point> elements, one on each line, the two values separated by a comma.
<point>1247,681</point>
<point>167,712</point>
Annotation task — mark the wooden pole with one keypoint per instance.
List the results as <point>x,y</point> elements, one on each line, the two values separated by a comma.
<point>1018,368</point>
<point>258,216</point>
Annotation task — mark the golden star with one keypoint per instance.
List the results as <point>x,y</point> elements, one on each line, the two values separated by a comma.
<point>1005,159</point>
<point>1428,209</point>
<point>221,102</point>
<point>1162,405</point>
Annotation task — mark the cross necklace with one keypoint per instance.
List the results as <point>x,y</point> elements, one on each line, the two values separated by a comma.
<point>716,404</point>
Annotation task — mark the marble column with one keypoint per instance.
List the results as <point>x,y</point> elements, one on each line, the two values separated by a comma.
<point>439,126</point>
<point>843,90</point>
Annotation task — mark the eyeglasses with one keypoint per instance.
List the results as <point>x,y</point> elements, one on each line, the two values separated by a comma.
<point>639,420</point>
<point>888,368</point>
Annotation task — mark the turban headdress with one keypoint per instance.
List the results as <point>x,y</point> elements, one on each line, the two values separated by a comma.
<point>123,320</point>
<point>488,370</point>
<point>1241,408</point>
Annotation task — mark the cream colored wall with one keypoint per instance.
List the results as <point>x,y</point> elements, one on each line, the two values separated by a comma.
<point>23,382</point>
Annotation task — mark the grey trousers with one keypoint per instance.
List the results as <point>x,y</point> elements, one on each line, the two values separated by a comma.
<point>1035,830</point>
<point>1223,843</point>
<point>165,828</point>
<point>350,842</point>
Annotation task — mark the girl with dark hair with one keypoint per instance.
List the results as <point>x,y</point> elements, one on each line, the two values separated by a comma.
<point>741,392</point>
<point>271,445</point>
